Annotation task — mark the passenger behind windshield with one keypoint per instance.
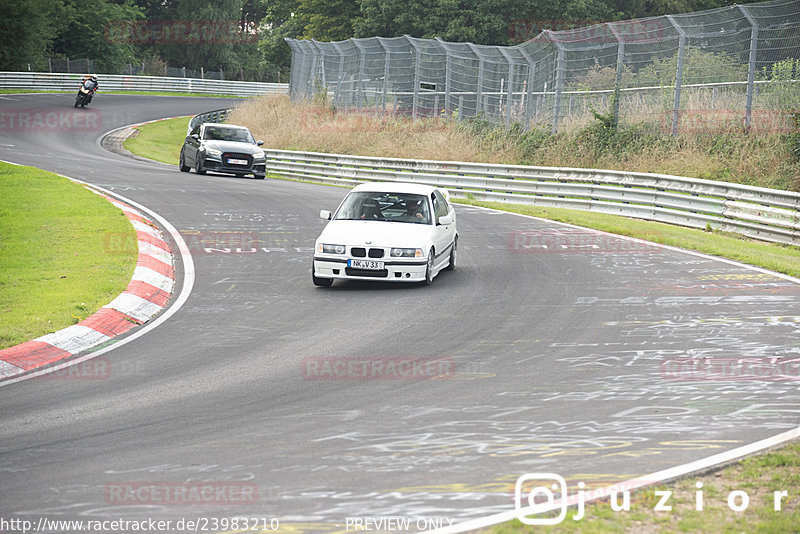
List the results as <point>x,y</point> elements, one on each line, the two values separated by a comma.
<point>392,207</point>
<point>228,134</point>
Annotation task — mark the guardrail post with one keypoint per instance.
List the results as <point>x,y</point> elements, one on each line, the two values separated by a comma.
<point>676,105</point>
<point>751,67</point>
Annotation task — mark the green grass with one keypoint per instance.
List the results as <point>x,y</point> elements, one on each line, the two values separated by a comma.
<point>64,253</point>
<point>160,140</point>
<point>758,476</point>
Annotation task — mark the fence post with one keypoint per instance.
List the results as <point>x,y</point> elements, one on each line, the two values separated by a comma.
<point>559,78</point>
<point>479,89</point>
<point>360,99</point>
<point>618,79</point>
<point>751,68</point>
<point>529,96</point>
<point>68,66</point>
<point>417,67</point>
<point>510,97</point>
<point>676,105</point>
<point>385,71</point>
<point>447,70</point>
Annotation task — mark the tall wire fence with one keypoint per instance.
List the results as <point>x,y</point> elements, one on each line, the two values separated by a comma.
<point>735,66</point>
<point>83,66</point>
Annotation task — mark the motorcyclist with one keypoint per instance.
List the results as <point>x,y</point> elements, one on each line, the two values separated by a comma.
<point>95,86</point>
<point>87,89</point>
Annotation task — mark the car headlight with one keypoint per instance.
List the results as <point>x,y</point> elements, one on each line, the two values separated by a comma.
<point>406,252</point>
<point>259,156</point>
<point>330,249</point>
<point>213,152</point>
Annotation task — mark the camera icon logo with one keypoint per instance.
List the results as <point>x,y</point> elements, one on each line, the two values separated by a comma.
<point>526,507</point>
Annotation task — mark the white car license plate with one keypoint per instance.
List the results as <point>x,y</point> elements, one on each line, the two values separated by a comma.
<point>365,264</point>
<point>237,161</point>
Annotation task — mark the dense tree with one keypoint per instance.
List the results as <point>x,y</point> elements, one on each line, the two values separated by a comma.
<point>27,31</point>
<point>90,33</point>
<point>223,33</point>
<point>328,20</point>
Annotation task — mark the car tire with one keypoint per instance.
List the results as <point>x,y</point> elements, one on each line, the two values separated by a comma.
<point>198,167</point>
<point>259,176</point>
<point>320,282</point>
<point>453,256</point>
<point>182,164</point>
<point>429,268</point>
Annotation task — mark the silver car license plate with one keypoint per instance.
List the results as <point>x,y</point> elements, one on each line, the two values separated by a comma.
<point>365,264</point>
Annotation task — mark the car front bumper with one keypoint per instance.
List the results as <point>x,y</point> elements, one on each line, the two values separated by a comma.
<point>215,164</point>
<point>395,270</point>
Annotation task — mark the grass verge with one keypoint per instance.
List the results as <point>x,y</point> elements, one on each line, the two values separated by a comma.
<point>160,140</point>
<point>758,477</point>
<point>57,266</point>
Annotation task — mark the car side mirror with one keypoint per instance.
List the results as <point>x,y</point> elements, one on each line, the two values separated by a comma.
<point>445,220</point>
<point>259,142</point>
<point>325,214</point>
<point>196,136</point>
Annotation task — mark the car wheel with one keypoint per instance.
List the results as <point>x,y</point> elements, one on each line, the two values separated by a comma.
<point>429,268</point>
<point>453,256</point>
<point>320,282</point>
<point>259,176</point>
<point>182,164</point>
<point>198,167</point>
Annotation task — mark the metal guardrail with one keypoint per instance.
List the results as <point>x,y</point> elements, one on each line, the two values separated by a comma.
<point>111,82</point>
<point>218,115</point>
<point>761,213</point>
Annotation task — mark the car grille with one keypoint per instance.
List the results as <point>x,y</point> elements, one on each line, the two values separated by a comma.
<point>361,252</point>
<point>349,271</point>
<point>237,155</point>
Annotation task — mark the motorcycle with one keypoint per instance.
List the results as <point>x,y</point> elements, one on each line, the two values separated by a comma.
<point>85,93</point>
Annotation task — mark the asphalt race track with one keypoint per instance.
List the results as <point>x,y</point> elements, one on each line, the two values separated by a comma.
<point>561,350</point>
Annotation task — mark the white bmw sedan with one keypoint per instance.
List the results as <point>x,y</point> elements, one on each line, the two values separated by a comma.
<point>396,232</point>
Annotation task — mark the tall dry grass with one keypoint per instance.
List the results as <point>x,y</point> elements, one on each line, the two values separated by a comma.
<point>713,146</point>
<point>316,127</point>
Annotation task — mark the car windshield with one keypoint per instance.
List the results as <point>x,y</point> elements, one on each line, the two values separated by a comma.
<point>217,133</point>
<point>391,207</point>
